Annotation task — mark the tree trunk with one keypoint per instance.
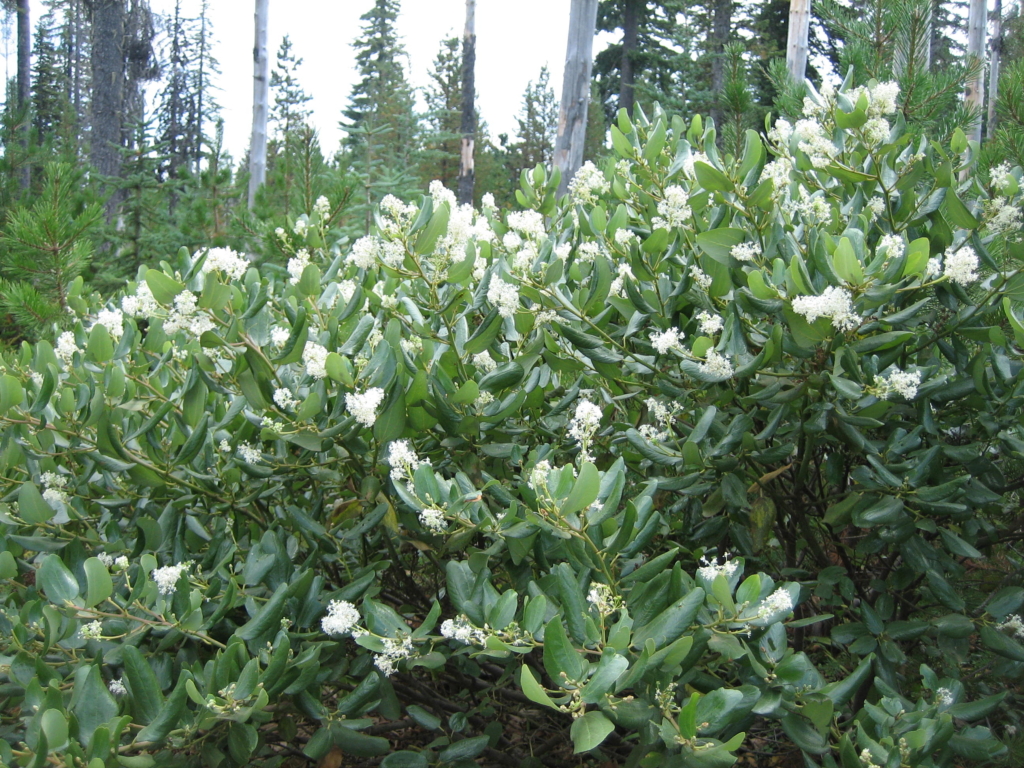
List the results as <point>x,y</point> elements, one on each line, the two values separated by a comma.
<point>260,98</point>
<point>107,55</point>
<point>975,94</point>
<point>24,86</point>
<point>466,172</point>
<point>630,36</point>
<point>572,117</point>
<point>721,27</point>
<point>993,74</point>
<point>796,44</point>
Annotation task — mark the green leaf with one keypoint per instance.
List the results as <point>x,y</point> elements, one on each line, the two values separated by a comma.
<point>561,660</point>
<point>437,225</point>
<point>11,393</point>
<point>999,643</point>
<point>99,585</point>
<point>55,725</point>
<point>466,749</point>
<point>59,584</point>
<point>533,690</point>
<point>93,704</point>
<point>846,264</point>
<point>718,243</point>
<point>957,212</point>
<point>584,491</point>
<point>404,759</point>
<point>672,622</point>
<point>1005,601</point>
<point>145,688</point>
<point>31,504</point>
<point>590,731</point>
<point>100,347</point>
<point>8,566</point>
<point>164,288</point>
<point>711,178</point>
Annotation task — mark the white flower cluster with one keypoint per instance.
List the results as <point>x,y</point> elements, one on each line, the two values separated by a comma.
<point>675,207</point>
<point>716,365</point>
<point>814,142</point>
<point>142,304</point>
<point>893,245</point>
<point>867,760</point>
<point>881,98</point>
<point>711,568</point>
<point>814,209</point>
<point>363,406</point>
<point>461,628</point>
<point>618,284</point>
<point>876,206</point>
<point>297,265</point>
<point>284,398</point>
<point>250,454</point>
<point>166,578</point>
<point>314,357</point>
<point>527,223</point>
<point>91,631</point>
<point>504,296</point>
<point>185,317</point>
<point>688,163</point>
<point>601,597</point>
<point>834,303</point>
<point>778,171</point>
<point>589,250</point>
<point>960,266</point>
<point>539,475</point>
<point>279,335</point>
<point>875,131</point>
<point>432,518</point>
<point>944,697</point>
<point>1002,216</point>
<point>113,321</point>
<point>395,649</point>
<point>588,184</point>
<point>55,495</point>
<point>341,617</point>
<point>403,460</point>
<point>225,261</point>
<point>745,251</point>
<point>709,323</point>
<point>664,341</point>
<point>484,362</point>
<point>66,348</point>
<point>119,563</point>
<point>322,206</point>
<point>300,227</point>
<point>584,425</point>
<point>661,416</point>
<point>700,277</point>
<point>116,687</point>
<point>779,601</point>
<point>1013,624</point>
<point>902,383</point>
<point>364,252</point>
<point>396,215</point>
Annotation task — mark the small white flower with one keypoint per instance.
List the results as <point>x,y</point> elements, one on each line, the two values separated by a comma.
<point>876,205</point>
<point>834,303</point>
<point>297,265</point>
<point>341,617</point>
<point>934,268</point>
<point>745,251</point>
<point>893,245</point>
<point>225,261</point>
<point>709,323</point>
<point>66,348</point>
<point>395,650</point>
<point>1013,624</point>
<point>92,631</point>
<point>403,460</point>
<point>716,365</point>
<point>166,578</point>
<point>539,475</point>
<point>279,335</point>
<point>484,362</point>
<point>106,559</point>
<point>250,454</point>
<point>779,601</point>
<point>365,252</point>
<point>675,207</point>
<point>322,206</point>
<point>284,399</point>
<point>504,296</point>
<point>113,321</point>
<point>433,520</point>
<point>461,628</point>
<point>903,383</point>
<point>117,687</point>
<point>588,184</point>
<point>700,277</point>
<point>711,568</point>
<point>602,598</point>
<point>944,697</point>
<point>314,357</point>
<point>584,425</point>
<point>363,406</point>
<point>961,266</point>
<point>664,341</point>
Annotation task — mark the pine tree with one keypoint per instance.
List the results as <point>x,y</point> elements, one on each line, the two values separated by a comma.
<point>380,121</point>
<point>52,112</point>
<point>442,138</point>
<point>44,247</point>
<point>289,116</point>
<point>538,124</point>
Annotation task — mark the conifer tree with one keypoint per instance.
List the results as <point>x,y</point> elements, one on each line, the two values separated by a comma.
<point>289,116</point>
<point>441,140</point>
<point>50,88</point>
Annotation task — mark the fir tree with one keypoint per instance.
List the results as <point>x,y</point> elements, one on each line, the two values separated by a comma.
<point>442,138</point>
<point>289,117</point>
<point>50,87</point>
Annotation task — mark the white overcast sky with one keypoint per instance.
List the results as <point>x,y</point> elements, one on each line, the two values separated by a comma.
<point>514,40</point>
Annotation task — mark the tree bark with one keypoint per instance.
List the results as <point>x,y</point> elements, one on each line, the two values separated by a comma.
<point>796,44</point>
<point>630,37</point>
<point>107,56</point>
<point>260,98</point>
<point>975,94</point>
<point>721,27</point>
<point>466,172</point>
<point>993,73</point>
<point>572,117</point>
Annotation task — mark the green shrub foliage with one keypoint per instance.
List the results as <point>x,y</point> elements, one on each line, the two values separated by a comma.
<point>701,448</point>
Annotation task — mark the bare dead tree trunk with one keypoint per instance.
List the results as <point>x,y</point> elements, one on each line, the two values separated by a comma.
<point>993,73</point>
<point>572,117</point>
<point>630,38</point>
<point>796,44</point>
<point>975,94</point>
<point>260,98</point>
<point>466,173</point>
<point>721,26</point>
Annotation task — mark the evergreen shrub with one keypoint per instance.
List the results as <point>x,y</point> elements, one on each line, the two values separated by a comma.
<point>704,449</point>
